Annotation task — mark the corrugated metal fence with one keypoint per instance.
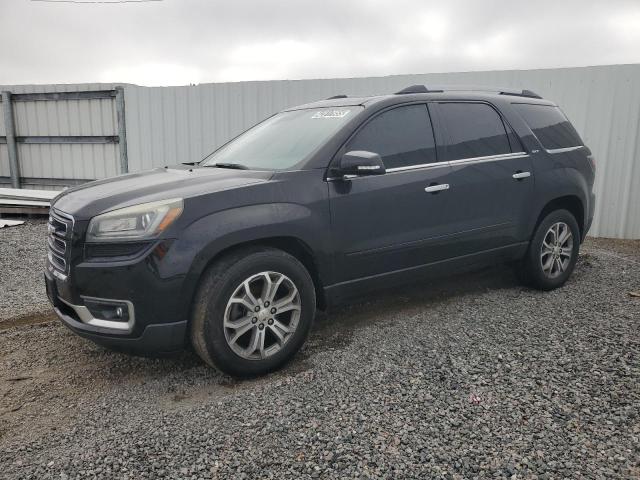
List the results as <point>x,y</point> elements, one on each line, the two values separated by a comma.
<point>167,125</point>
<point>64,134</point>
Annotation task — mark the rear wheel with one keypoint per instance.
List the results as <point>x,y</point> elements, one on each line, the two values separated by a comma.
<point>553,251</point>
<point>253,311</point>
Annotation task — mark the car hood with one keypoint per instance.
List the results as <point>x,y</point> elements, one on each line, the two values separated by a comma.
<point>90,199</point>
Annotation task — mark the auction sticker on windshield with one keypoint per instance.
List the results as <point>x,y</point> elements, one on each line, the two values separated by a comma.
<point>331,114</point>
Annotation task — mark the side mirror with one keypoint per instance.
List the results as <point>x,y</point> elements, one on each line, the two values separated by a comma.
<point>360,163</point>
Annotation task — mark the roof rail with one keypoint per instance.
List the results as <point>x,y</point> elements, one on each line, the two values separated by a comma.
<point>416,89</point>
<point>468,88</point>
<point>337,96</point>
<point>523,93</point>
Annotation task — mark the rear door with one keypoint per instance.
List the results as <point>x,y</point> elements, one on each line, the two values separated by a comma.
<point>491,176</point>
<point>389,222</point>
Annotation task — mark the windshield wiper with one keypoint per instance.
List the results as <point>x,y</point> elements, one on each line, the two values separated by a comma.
<point>237,166</point>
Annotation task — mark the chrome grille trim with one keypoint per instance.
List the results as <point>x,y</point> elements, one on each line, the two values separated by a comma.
<point>60,229</point>
<point>57,261</point>
<point>57,245</point>
<point>57,223</point>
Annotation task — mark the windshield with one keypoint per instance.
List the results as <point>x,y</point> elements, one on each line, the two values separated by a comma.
<point>282,141</point>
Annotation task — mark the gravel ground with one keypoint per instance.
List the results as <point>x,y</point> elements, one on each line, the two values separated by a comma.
<point>468,377</point>
<point>22,256</point>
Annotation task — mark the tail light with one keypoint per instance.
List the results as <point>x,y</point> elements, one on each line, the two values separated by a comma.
<point>592,161</point>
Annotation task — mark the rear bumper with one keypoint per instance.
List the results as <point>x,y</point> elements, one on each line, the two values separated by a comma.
<point>589,219</point>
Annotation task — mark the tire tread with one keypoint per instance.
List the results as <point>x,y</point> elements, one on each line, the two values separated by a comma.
<point>213,279</point>
<point>528,271</point>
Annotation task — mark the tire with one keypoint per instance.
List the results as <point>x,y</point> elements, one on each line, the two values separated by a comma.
<point>221,311</point>
<point>543,250</point>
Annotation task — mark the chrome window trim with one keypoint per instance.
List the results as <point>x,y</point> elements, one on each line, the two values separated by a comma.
<point>462,161</point>
<point>392,170</point>
<point>489,158</point>
<point>564,150</point>
<point>417,167</point>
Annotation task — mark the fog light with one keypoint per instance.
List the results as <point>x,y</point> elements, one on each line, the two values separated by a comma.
<point>112,310</point>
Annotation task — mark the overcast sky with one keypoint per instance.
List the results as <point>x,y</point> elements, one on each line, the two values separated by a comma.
<point>177,42</point>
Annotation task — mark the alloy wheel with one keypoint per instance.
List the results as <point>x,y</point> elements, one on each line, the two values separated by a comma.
<point>556,250</point>
<point>262,315</point>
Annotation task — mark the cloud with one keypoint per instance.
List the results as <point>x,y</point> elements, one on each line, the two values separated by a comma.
<point>265,60</point>
<point>192,41</point>
<point>152,74</point>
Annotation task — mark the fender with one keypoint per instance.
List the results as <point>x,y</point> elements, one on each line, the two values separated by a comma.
<point>555,183</point>
<point>555,176</point>
<point>206,238</point>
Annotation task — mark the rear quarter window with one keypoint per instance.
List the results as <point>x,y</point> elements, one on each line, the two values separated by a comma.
<point>549,125</point>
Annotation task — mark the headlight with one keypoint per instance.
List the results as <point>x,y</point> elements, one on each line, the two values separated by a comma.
<point>138,222</point>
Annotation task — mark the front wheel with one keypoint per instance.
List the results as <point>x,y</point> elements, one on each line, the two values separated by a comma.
<point>253,311</point>
<point>553,251</point>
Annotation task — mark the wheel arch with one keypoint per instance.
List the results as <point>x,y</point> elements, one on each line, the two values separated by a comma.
<point>572,203</point>
<point>294,246</point>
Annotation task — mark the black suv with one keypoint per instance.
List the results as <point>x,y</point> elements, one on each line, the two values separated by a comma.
<point>312,206</point>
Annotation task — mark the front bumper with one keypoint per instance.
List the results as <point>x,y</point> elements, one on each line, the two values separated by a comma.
<point>144,339</point>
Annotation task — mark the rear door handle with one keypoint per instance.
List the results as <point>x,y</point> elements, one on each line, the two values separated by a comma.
<point>521,175</point>
<point>437,188</point>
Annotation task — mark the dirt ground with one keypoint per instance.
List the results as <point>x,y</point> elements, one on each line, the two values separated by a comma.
<point>57,389</point>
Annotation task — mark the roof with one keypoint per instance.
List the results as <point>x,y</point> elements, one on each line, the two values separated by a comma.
<point>338,102</point>
<point>421,92</point>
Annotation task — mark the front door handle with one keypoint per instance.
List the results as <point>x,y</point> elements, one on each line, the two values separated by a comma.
<point>437,188</point>
<point>520,175</point>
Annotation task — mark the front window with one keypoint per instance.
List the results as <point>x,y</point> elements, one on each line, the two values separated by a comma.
<point>284,140</point>
<point>402,137</point>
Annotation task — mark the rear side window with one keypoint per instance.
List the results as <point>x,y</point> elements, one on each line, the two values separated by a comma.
<point>472,130</point>
<point>402,137</point>
<point>550,125</point>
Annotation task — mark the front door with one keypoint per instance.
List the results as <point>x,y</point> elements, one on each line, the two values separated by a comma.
<point>397,220</point>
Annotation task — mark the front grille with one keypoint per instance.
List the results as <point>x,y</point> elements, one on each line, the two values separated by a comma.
<point>60,230</point>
